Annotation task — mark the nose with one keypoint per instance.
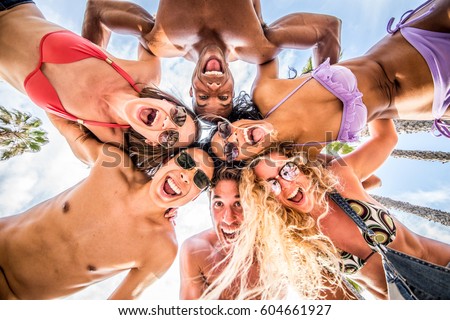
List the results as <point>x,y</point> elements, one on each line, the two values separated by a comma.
<point>229,216</point>
<point>213,85</point>
<point>233,137</point>
<point>168,124</point>
<point>284,183</point>
<point>184,177</point>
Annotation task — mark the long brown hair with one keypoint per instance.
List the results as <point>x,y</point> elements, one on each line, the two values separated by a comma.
<point>146,157</point>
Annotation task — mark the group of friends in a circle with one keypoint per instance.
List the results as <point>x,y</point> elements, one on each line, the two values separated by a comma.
<point>274,224</point>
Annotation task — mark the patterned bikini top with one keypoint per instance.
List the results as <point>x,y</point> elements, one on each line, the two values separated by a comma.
<point>376,219</point>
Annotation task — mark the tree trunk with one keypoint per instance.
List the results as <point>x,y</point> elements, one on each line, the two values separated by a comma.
<point>435,215</point>
<point>438,156</point>
<point>408,126</point>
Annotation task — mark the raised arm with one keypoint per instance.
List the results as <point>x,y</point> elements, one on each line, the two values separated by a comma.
<point>191,282</point>
<point>103,16</point>
<point>85,147</point>
<point>257,7</point>
<point>306,30</point>
<point>369,156</point>
<point>265,71</point>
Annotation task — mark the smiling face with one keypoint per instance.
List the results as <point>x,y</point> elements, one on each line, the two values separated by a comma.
<point>181,179</point>
<point>241,139</point>
<point>226,211</point>
<point>212,85</point>
<point>161,122</point>
<point>293,194</point>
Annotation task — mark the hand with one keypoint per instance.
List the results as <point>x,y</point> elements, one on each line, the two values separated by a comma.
<point>171,214</point>
<point>371,182</point>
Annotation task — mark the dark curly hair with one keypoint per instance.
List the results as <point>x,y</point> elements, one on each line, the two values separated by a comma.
<point>244,109</point>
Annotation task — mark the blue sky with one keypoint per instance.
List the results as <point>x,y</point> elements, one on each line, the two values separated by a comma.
<point>32,178</point>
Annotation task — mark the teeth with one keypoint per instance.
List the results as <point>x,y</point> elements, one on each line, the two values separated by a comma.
<point>230,237</point>
<point>229,231</point>
<point>246,136</point>
<point>173,186</point>
<point>294,193</point>
<point>156,118</point>
<point>213,73</point>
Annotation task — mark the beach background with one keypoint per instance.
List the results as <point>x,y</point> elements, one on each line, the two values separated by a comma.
<point>34,177</point>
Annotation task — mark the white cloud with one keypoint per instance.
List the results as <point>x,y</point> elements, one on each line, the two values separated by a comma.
<point>427,197</point>
<point>32,178</point>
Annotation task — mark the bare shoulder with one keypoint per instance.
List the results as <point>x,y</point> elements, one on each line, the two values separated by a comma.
<point>267,92</point>
<point>23,10</point>
<point>115,160</point>
<point>200,242</point>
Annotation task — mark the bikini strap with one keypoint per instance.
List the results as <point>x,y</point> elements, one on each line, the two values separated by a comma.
<point>405,17</point>
<point>442,128</point>
<point>102,124</point>
<point>123,73</point>
<point>287,97</point>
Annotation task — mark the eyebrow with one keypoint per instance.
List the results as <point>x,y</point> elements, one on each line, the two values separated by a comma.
<point>236,196</point>
<point>223,105</point>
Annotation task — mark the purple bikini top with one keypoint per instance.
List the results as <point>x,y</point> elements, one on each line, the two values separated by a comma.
<point>342,83</point>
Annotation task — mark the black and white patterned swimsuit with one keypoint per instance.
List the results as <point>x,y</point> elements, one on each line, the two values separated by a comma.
<point>379,221</point>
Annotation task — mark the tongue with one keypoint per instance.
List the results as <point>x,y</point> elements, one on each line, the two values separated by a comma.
<point>213,65</point>
<point>168,189</point>
<point>258,134</point>
<point>229,237</point>
<point>298,197</point>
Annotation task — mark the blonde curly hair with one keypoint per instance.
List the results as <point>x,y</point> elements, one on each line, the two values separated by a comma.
<point>285,244</point>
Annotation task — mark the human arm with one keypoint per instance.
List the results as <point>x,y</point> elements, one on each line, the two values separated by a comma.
<point>265,71</point>
<point>171,214</point>
<point>84,146</point>
<point>369,156</point>
<point>103,16</point>
<point>191,283</point>
<point>306,30</point>
<point>257,7</point>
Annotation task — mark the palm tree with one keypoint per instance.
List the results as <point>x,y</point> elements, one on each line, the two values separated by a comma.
<point>308,67</point>
<point>336,148</point>
<point>407,126</point>
<point>436,215</point>
<point>19,133</point>
<point>438,156</point>
<point>413,126</point>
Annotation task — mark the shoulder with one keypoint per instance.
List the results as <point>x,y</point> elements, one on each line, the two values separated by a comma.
<point>113,159</point>
<point>199,243</point>
<point>266,91</point>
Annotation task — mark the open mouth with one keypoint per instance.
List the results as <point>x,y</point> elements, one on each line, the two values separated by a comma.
<point>229,234</point>
<point>171,188</point>
<point>253,135</point>
<point>149,116</point>
<point>213,67</point>
<point>296,195</point>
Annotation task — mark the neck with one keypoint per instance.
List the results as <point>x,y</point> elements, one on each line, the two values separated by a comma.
<point>141,199</point>
<point>116,100</point>
<point>209,42</point>
<point>221,250</point>
<point>317,212</point>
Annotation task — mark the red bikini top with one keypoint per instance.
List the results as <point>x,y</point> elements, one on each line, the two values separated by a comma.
<point>66,47</point>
